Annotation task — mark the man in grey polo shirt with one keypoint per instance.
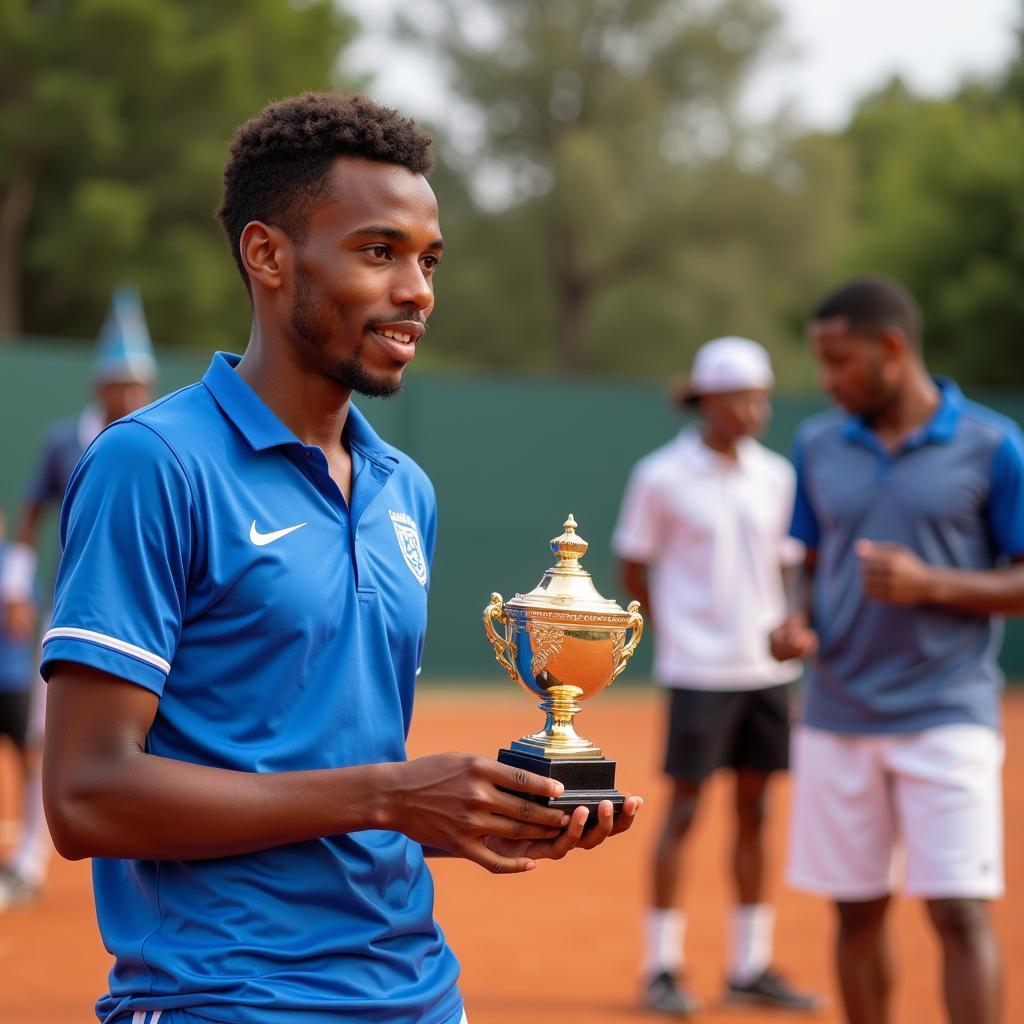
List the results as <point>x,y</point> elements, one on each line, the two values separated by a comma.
<point>911,505</point>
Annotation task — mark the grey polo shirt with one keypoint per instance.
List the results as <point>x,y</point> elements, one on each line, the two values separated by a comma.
<point>954,494</point>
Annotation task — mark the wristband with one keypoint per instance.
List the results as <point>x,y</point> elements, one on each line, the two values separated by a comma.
<point>18,573</point>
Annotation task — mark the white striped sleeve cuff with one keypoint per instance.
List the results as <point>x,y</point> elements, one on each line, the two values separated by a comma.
<point>122,646</point>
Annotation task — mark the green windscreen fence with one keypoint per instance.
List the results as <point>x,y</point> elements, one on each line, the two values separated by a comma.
<point>510,458</point>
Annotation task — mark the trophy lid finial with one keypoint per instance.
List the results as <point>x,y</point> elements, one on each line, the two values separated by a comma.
<point>566,588</point>
<point>570,547</point>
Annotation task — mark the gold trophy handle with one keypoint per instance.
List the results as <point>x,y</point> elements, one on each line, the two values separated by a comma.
<point>635,623</point>
<point>504,649</point>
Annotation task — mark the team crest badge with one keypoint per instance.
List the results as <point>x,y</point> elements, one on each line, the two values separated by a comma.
<point>409,543</point>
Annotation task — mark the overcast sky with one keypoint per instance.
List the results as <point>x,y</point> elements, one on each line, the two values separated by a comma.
<point>839,49</point>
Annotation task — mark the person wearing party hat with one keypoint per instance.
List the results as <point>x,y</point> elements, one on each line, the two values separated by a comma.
<point>701,539</point>
<point>124,372</point>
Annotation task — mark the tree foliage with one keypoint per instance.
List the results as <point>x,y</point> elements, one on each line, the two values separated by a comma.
<point>940,206</point>
<point>639,216</point>
<point>606,206</point>
<point>113,132</point>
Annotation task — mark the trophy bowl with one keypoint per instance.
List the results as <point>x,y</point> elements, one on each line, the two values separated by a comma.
<point>565,643</point>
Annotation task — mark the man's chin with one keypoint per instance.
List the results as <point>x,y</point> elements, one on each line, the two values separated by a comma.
<point>355,376</point>
<point>379,389</point>
<point>372,385</point>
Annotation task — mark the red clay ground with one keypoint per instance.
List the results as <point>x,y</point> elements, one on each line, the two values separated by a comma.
<point>561,944</point>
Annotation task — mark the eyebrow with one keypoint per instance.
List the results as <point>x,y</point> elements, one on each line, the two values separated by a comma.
<point>395,234</point>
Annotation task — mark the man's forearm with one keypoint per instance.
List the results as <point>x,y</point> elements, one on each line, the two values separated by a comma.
<point>634,578</point>
<point>983,592</point>
<point>797,581</point>
<point>28,530</point>
<point>141,806</point>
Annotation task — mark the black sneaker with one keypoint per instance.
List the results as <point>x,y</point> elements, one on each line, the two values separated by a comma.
<point>664,994</point>
<point>769,989</point>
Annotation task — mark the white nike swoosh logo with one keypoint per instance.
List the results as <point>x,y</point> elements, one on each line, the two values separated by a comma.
<point>261,539</point>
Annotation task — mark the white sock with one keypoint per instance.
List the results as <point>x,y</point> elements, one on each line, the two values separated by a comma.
<point>752,934</point>
<point>32,856</point>
<point>664,931</point>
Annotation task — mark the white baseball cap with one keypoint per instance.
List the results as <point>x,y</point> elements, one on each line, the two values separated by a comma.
<point>728,364</point>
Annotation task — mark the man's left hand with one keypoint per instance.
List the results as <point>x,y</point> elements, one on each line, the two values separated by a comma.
<point>572,837</point>
<point>894,574</point>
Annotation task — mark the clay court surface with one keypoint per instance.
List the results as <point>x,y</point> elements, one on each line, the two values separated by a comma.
<point>560,945</point>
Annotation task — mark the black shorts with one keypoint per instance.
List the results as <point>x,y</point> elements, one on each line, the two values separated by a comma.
<point>14,709</point>
<point>742,729</point>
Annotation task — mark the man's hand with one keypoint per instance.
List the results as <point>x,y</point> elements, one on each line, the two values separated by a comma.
<point>19,619</point>
<point>793,639</point>
<point>453,802</point>
<point>893,573</point>
<point>608,824</point>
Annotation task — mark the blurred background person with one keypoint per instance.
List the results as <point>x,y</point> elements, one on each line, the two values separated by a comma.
<point>17,626</point>
<point>910,502</point>
<point>123,377</point>
<point>701,539</point>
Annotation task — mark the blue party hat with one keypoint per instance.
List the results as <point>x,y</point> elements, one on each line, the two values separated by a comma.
<point>124,350</point>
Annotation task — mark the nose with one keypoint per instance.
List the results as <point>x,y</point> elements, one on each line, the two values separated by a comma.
<point>412,287</point>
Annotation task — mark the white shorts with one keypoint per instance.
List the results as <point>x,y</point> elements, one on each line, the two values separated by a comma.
<point>869,809</point>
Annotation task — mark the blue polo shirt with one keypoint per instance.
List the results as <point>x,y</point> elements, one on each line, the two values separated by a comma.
<point>209,557</point>
<point>953,493</point>
<point>63,447</point>
<point>65,441</point>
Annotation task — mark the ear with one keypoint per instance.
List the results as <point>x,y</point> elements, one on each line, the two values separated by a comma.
<point>266,254</point>
<point>895,342</point>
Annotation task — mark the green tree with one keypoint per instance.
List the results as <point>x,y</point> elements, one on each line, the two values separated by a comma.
<point>113,132</point>
<point>940,207</point>
<point>636,215</point>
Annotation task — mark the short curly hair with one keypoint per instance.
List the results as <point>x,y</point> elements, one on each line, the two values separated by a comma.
<point>279,160</point>
<point>873,303</point>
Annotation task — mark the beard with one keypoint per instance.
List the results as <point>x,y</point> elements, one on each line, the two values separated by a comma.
<point>311,322</point>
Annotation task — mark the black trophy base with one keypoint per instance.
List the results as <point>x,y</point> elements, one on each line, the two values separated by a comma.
<point>587,781</point>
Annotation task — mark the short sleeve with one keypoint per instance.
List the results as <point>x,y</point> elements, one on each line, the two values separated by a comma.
<point>804,523</point>
<point>637,532</point>
<point>1005,508</point>
<point>127,530</point>
<point>46,486</point>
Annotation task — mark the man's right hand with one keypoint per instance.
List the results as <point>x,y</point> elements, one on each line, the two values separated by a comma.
<point>793,639</point>
<point>452,802</point>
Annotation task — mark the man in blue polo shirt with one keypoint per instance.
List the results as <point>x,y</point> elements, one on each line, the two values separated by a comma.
<point>911,506</point>
<point>239,621</point>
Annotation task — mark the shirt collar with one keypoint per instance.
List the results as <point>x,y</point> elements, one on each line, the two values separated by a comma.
<point>940,429</point>
<point>703,459</point>
<point>261,427</point>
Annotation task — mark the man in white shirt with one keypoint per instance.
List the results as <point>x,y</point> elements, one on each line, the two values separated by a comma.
<point>702,539</point>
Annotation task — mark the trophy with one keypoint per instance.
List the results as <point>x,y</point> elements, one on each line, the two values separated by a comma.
<point>564,642</point>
